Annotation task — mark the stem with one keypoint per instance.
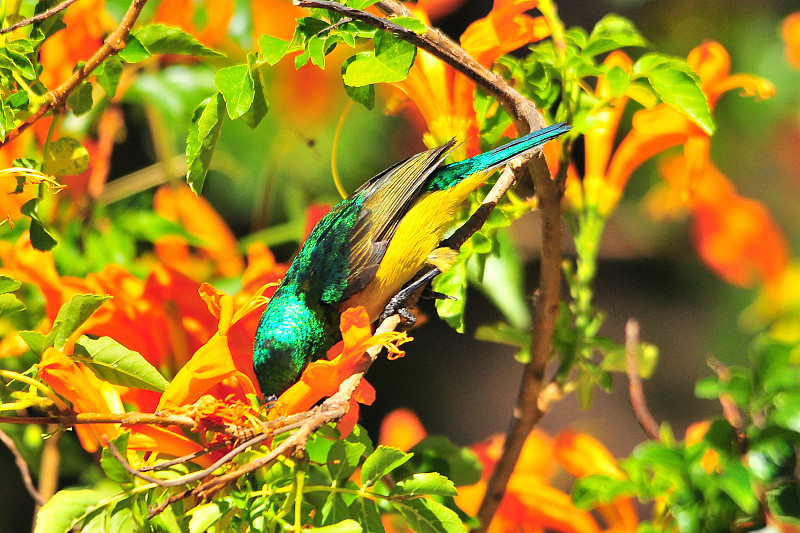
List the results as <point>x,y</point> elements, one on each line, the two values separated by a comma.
<point>58,96</point>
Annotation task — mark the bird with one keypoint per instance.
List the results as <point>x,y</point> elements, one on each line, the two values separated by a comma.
<point>365,250</point>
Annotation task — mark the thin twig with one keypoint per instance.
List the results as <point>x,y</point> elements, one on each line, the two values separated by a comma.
<point>23,468</point>
<point>41,16</point>
<point>730,410</point>
<point>635,389</point>
<point>58,96</point>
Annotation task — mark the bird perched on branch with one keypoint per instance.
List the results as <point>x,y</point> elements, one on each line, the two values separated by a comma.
<point>365,250</point>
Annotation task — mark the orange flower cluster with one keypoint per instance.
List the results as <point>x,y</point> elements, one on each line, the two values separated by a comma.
<point>201,335</point>
<point>791,34</point>
<point>443,96</point>
<point>736,237</point>
<point>531,503</point>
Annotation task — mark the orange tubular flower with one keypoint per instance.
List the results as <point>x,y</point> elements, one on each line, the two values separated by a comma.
<point>443,96</point>
<point>530,503</point>
<point>735,236</point>
<point>194,213</point>
<point>791,34</point>
<point>401,429</point>
<point>322,378</point>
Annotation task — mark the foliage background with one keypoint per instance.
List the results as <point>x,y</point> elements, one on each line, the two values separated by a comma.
<point>648,269</point>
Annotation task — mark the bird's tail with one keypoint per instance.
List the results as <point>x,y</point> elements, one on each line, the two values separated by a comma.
<point>448,174</point>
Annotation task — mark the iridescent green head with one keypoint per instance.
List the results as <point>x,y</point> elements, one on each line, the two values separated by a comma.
<point>290,335</point>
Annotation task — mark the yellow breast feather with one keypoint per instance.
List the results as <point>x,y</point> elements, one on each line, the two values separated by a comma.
<point>418,234</point>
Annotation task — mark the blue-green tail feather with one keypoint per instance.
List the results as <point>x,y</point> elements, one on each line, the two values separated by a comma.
<point>448,175</point>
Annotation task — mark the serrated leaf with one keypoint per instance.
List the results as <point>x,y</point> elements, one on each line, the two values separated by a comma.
<point>40,237</point>
<point>272,48</point>
<point>364,95</point>
<point>427,516</point>
<point>380,462</point>
<point>113,468</point>
<point>8,284</point>
<point>117,364</point>
<point>10,304</point>
<point>345,526</point>
<point>425,484</point>
<point>389,62</point>
<point>109,74</point>
<point>134,50</point>
<point>343,459</point>
<point>677,85</point>
<point>71,316</point>
<point>366,512</point>
<point>236,86</point>
<point>203,135</point>
<point>61,511</point>
<point>65,157</point>
<point>206,515</point>
<point>162,39</point>
<point>613,32</point>
<point>80,100</point>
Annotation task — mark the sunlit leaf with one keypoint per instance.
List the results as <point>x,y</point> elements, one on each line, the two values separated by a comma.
<point>203,135</point>
<point>117,364</point>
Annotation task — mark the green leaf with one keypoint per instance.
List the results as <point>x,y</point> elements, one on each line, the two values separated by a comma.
<point>109,74</point>
<point>161,39</point>
<point>237,88</point>
<point>364,95</point>
<point>40,236</point>
<point>272,48</point>
<point>62,511</point>
<point>343,459</point>
<point>427,516</point>
<point>360,4</point>
<point>19,62</point>
<point>735,482</point>
<point>411,23</point>
<point>389,62</point>
<point>70,317</point>
<point>34,340</point>
<point>613,32</point>
<point>134,50</point>
<point>80,100</point>
<point>113,468</point>
<point>8,284</point>
<point>65,157</point>
<point>334,510</point>
<point>382,461</point>
<point>10,304</point>
<point>598,489</point>
<point>260,105</point>
<point>784,503</point>
<point>116,364</point>
<point>203,135</point>
<point>616,357</point>
<point>345,526</point>
<point>502,333</point>
<point>366,512</point>
<point>206,515</point>
<point>425,484</point>
<point>618,80</point>
<point>453,283</point>
<point>678,85</point>
<point>437,454</point>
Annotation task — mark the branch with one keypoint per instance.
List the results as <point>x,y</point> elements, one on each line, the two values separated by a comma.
<point>58,96</point>
<point>635,390</point>
<point>41,16</point>
<point>23,468</point>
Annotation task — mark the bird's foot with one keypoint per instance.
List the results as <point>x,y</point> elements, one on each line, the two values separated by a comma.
<point>398,305</point>
<point>429,294</point>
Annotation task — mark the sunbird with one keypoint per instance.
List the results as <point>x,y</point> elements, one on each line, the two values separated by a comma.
<point>365,250</point>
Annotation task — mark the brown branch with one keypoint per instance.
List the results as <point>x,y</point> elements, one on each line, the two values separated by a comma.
<point>58,96</point>
<point>41,16</point>
<point>23,468</point>
<point>635,390</point>
<point>730,410</point>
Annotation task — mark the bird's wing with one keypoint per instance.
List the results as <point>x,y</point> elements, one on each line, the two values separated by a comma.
<point>387,197</point>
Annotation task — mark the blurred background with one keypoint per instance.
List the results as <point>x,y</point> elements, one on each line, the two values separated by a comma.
<point>463,388</point>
